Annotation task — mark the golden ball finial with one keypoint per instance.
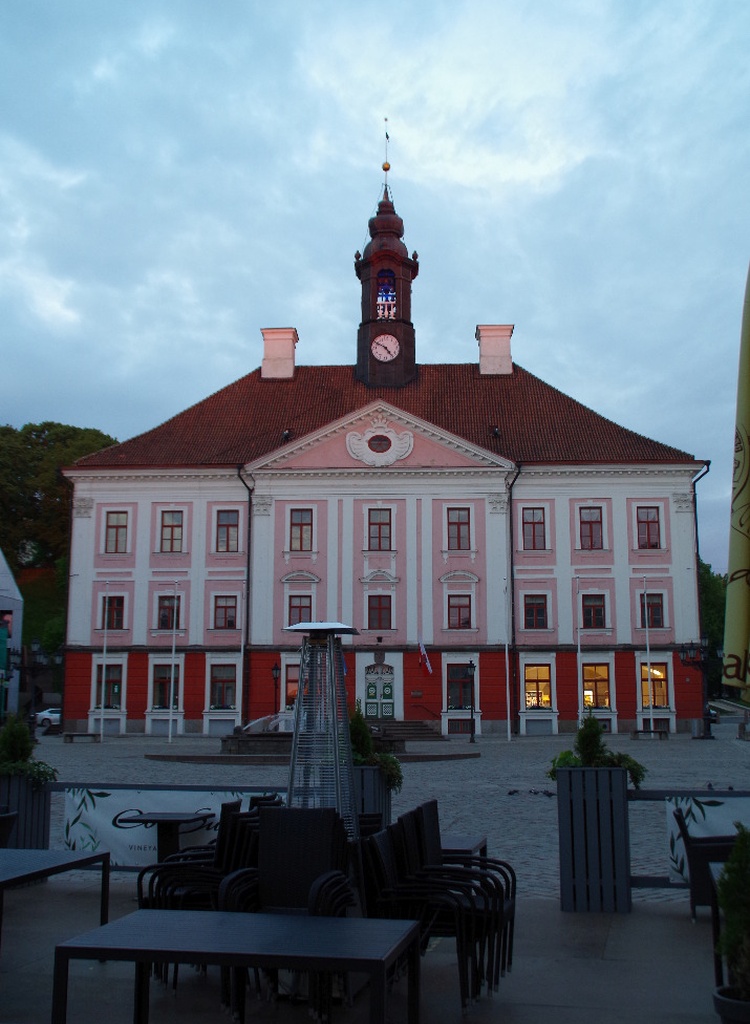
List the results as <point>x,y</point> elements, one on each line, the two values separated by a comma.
<point>386,167</point>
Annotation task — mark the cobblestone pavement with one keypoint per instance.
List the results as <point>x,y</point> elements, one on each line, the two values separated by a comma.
<point>503,793</point>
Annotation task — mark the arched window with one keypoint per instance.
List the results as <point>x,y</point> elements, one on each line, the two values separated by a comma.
<point>386,295</point>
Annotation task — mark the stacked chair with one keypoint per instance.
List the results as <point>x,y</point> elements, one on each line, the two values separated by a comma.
<point>700,852</point>
<point>470,899</point>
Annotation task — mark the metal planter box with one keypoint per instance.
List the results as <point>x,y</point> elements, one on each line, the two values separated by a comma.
<point>32,802</point>
<point>592,807</point>
<point>371,794</point>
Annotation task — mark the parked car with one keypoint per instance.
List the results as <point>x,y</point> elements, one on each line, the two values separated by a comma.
<point>51,716</point>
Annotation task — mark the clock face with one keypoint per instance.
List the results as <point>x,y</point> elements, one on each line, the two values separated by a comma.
<point>385,347</point>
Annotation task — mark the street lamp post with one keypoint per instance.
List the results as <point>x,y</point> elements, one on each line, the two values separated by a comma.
<point>697,654</point>
<point>470,670</point>
<point>276,672</point>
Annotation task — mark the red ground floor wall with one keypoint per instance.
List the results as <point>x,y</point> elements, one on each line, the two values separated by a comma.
<point>423,691</point>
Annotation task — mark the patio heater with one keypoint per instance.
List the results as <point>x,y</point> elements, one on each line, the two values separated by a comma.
<point>320,768</point>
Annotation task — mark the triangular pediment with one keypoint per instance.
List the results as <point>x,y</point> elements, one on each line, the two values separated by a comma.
<point>379,436</point>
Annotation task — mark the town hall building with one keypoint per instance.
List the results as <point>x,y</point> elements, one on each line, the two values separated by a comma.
<point>510,559</point>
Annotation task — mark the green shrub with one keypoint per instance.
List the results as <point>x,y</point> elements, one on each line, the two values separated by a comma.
<point>590,751</point>
<point>734,900</point>
<point>16,749</point>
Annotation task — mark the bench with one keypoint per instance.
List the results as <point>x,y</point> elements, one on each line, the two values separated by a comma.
<point>68,737</point>
<point>662,734</point>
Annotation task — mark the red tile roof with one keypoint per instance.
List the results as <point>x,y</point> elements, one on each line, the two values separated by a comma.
<point>245,421</point>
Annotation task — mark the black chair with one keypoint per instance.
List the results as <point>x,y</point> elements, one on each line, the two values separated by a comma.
<point>500,870</point>
<point>700,851</point>
<point>439,909</point>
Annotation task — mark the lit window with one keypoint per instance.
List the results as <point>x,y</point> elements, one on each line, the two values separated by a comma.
<point>291,685</point>
<point>112,687</point>
<point>459,611</point>
<point>223,687</point>
<point>596,686</point>
<point>533,529</point>
<point>593,607</point>
<point>227,530</point>
<point>168,615</point>
<point>379,529</point>
<point>537,682</point>
<point>535,611</point>
<point>386,295</point>
<point>652,611</point>
<point>300,608</point>
<point>459,529</point>
<point>649,535</point>
<point>116,533</point>
<point>379,611</point>
<point>113,612</point>
<point>658,686</point>
<point>591,529</point>
<point>225,612</point>
<point>164,684</point>
<point>300,529</point>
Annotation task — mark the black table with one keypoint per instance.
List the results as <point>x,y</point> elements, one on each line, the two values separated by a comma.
<point>168,824</point>
<point>457,843</point>
<point>20,866</point>
<point>289,941</point>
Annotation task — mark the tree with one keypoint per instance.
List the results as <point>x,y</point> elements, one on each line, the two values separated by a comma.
<point>712,588</point>
<point>34,496</point>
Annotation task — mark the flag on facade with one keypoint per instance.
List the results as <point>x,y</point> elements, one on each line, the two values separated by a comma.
<point>424,661</point>
<point>737,622</point>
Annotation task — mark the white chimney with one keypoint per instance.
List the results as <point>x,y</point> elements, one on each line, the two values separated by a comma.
<point>494,348</point>
<point>278,351</point>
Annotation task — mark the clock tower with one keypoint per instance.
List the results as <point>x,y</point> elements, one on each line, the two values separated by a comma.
<point>385,341</point>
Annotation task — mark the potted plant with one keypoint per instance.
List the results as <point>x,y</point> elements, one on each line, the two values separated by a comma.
<point>376,775</point>
<point>24,785</point>
<point>732,1001</point>
<point>590,751</point>
<point>592,809</point>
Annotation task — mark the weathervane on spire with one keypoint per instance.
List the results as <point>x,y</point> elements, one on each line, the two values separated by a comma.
<point>386,165</point>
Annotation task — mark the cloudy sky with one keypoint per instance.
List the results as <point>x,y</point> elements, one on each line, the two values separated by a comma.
<point>175,176</point>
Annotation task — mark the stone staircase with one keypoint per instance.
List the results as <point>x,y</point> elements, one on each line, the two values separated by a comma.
<point>403,732</point>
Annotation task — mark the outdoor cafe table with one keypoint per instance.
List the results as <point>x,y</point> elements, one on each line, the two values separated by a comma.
<point>18,867</point>
<point>168,824</point>
<point>291,941</point>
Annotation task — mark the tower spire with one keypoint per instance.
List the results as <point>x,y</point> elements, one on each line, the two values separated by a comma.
<point>386,165</point>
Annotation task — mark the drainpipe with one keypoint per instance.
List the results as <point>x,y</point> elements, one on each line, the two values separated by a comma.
<point>510,598</point>
<point>245,675</point>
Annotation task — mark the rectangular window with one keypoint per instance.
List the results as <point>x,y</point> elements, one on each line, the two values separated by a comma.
<point>223,687</point>
<point>537,683</point>
<point>596,686</point>
<point>533,529</point>
<point>300,608</point>
<point>225,612</point>
<point>658,687</point>
<point>112,687</point>
<point>593,607</point>
<point>592,535</point>
<point>535,611</point>
<point>379,611</point>
<point>459,529</point>
<point>291,685</point>
<point>379,529</point>
<point>459,611</point>
<point>116,540</point>
<point>113,612</point>
<point>168,614</point>
<point>164,684</point>
<point>300,529</point>
<point>652,611</point>
<point>171,532</point>
<point>228,530</point>
<point>649,535</point>
<point>460,687</point>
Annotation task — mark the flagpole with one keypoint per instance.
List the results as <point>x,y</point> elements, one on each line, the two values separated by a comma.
<point>737,621</point>
<point>171,672</point>
<point>104,660</point>
<point>578,650</point>
<point>507,666</point>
